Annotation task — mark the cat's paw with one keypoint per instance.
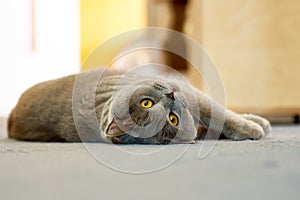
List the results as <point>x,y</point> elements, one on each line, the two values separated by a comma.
<point>265,124</point>
<point>247,130</point>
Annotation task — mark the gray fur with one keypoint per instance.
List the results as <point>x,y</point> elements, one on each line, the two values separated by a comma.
<point>75,109</point>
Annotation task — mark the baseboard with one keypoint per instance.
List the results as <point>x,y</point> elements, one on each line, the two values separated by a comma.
<point>3,127</point>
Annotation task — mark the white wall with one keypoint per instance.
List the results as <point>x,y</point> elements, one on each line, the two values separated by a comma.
<point>57,50</point>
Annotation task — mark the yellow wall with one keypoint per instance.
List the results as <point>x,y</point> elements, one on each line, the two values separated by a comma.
<point>102,19</point>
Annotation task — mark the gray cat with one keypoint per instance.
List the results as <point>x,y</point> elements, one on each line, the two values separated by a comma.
<point>125,108</point>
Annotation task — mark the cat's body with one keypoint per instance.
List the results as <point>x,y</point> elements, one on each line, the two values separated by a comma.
<point>129,108</point>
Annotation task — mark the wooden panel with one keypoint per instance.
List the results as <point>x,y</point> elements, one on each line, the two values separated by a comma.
<point>256,46</point>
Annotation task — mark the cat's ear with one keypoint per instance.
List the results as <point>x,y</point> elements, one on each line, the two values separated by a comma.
<point>114,130</point>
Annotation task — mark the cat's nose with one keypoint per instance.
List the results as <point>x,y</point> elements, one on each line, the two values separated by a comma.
<point>171,96</point>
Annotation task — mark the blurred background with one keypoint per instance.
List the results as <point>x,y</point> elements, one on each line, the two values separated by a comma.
<point>254,44</point>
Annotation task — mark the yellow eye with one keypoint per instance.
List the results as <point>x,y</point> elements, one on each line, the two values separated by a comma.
<point>173,119</point>
<point>146,103</point>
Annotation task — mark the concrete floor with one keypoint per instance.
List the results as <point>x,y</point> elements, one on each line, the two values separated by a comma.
<point>266,169</point>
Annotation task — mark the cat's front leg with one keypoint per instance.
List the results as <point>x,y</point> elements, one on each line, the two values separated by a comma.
<point>237,127</point>
<point>265,124</point>
<point>232,125</point>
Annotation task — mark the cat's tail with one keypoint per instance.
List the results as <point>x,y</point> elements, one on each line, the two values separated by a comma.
<point>12,126</point>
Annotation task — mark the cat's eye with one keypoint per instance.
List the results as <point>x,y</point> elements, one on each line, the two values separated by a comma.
<point>147,103</point>
<point>173,119</point>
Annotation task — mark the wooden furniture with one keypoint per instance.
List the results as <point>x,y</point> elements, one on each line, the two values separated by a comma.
<point>256,47</point>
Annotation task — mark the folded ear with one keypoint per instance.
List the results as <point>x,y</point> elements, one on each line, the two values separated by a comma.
<point>114,130</point>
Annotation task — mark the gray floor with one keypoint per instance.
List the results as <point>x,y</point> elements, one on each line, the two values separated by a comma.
<point>267,169</point>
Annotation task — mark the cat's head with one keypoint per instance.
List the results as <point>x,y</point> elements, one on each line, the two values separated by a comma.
<point>150,111</point>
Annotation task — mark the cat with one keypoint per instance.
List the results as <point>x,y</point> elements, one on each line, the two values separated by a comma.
<point>125,108</point>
